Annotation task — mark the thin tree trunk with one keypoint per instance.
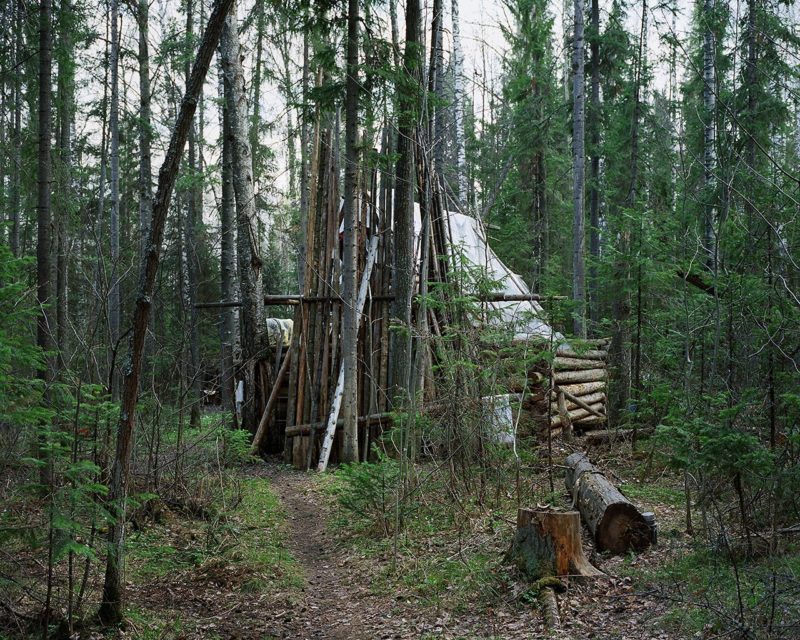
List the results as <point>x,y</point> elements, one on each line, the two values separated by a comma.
<point>458,107</point>
<point>16,180</point>
<point>594,166</point>
<point>350,251</point>
<point>111,607</point>
<point>578,169</point>
<point>45,319</point>
<point>145,127</point>
<point>408,106</point>
<point>193,195</point>
<point>248,254</point>
<point>709,131</point>
<point>66,102</point>
<point>228,258</point>
<point>113,125</point>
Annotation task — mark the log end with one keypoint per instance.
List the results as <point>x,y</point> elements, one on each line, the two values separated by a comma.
<point>622,528</point>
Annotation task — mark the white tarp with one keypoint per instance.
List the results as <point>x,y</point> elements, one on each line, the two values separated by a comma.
<point>469,240</point>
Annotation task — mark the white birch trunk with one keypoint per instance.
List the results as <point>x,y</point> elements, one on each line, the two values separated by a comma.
<point>336,405</point>
<point>458,108</point>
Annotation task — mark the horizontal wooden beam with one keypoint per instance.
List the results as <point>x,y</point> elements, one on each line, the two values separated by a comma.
<point>295,299</point>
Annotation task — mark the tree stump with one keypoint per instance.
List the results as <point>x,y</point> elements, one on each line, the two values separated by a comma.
<point>548,543</point>
<point>616,524</point>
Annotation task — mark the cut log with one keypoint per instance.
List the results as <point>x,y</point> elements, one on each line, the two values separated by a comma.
<point>588,375</point>
<point>583,389</point>
<point>548,543</point>
<point>589,354</point>
<point>576,364</point>
<point>616,524</point>
<point>261,432</point>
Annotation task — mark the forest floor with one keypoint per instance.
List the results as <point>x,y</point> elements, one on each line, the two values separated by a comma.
<point>294,565</point>
<point>264,552</point>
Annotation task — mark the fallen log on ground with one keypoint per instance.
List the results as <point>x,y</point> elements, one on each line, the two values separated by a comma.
<point>616,524</point>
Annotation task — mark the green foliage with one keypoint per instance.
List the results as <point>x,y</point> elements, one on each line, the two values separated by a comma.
<point>372,491</point>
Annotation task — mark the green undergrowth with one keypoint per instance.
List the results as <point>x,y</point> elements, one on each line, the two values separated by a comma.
<point>714,596</point>
<point>430,553</point>
<point>241,543</point>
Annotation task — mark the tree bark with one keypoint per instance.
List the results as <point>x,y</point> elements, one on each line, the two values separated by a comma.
<point>578,170</point>
<point>111,606</point>
<point>350,312</point>
<point>594,164</point>
<point>548,544</point>
<point>194,194</point>
<point>251,315</point>
<point>45,319</point>
<point>615,523</point>
<point>458,108</point>
<point>227,258</point>
<point>402,284</point>
<point>114,301</point>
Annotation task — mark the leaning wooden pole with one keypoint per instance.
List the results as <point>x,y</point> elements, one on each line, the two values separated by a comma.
<point>261,432</point>
<point>336,405</point>
<point>111,606</point>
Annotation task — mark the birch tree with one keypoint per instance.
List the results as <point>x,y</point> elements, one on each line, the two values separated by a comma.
<point>458,109</point>
<point>248,252</point>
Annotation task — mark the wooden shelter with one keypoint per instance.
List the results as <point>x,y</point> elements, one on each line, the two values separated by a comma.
<point>564,388</point>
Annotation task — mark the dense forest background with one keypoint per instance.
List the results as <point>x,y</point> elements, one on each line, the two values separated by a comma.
<point>637,163</point>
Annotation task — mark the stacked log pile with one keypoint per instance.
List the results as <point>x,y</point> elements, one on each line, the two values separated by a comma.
<point>570,391</point>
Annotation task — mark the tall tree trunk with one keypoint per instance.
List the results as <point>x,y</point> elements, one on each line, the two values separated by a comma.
<point>193,195</point>
<point>228,257</point>
<point>578,170</point>
<point>408,107</point>
<point>350,311</point>
<point>16,178</point>
<point>66,108</point>
<point>111,607</point>
<point>435,82</point>
<point>114,301</point>
<point>709,132</point>
<point>458,107</point>
<point>620,349</point>
<point>248,254</point>
<point>594,165</point>
<point>145,127</point>
<point>45,319</point>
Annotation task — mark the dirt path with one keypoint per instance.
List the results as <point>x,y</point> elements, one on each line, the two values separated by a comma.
<point>336,603</point>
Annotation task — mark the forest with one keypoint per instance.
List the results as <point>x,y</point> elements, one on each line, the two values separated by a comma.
<point>377,319</point>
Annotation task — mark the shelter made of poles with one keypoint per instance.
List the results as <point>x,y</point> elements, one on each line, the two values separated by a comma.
<point>565,389</point>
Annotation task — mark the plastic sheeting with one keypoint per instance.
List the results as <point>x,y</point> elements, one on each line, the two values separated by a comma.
<point>523,317</point>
